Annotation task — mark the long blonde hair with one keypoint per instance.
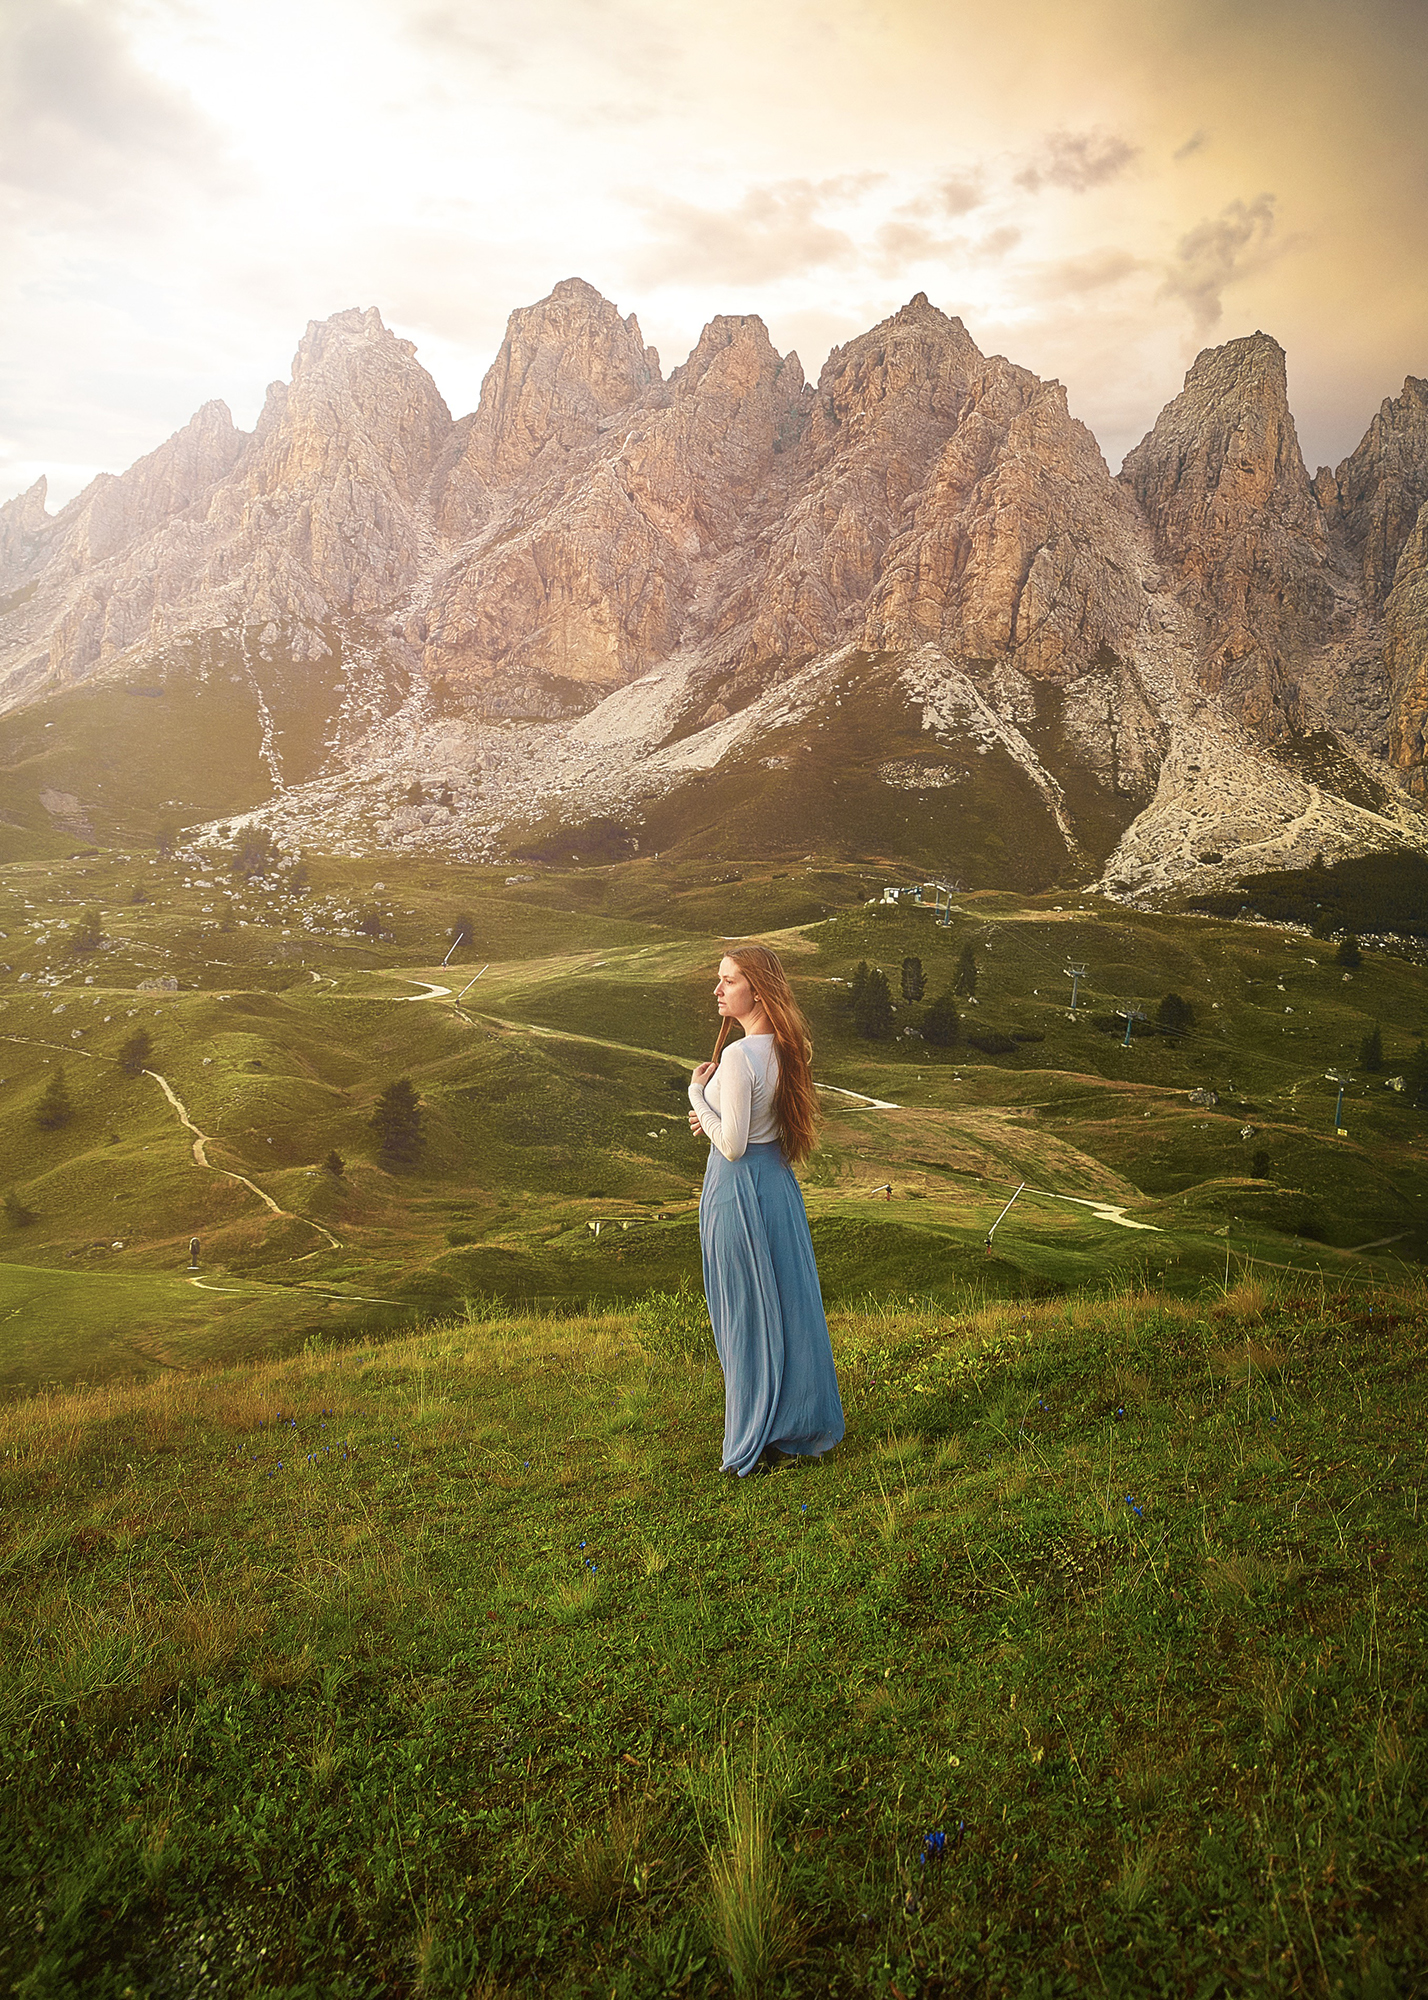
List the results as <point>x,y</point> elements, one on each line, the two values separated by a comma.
<point>795,1103</point>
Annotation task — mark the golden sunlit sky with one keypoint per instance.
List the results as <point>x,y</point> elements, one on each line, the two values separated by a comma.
<point>1099,189</point>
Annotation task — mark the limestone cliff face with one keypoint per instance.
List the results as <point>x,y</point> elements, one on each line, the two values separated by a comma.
<point>320,512</point>
<point>23,529</point>
<point>1019,547</point>
<point>884,406</point>
<point>1238,527</point>
<point>593,572</point>
<point>566,367</point>
<point>1374,498</point>
<point>1406,657</point>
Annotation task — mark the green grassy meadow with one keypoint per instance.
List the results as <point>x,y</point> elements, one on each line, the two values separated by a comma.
<point>1092,1661</point>
<point>551,1058</point>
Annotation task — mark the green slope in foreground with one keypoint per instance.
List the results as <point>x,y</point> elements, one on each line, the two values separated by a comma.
<point>1091,1662</point>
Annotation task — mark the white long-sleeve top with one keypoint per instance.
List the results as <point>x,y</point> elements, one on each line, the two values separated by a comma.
<point>736,1107</point>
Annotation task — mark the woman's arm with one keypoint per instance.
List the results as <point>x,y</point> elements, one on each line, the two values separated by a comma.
<point>728,1127</point>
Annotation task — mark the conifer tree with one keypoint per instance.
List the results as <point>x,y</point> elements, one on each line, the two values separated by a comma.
<point>914,984</point>
<point>397,1122</point>
<point>966,980</point>
<point>1371,1050</point>
<point>54,1108</point>
<point>872,1015</point>
<point>1348,955</point>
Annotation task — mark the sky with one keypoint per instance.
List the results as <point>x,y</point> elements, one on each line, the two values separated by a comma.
<point>1099,190</point>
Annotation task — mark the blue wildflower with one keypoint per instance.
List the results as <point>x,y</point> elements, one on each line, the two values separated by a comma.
<point>934,1846</point>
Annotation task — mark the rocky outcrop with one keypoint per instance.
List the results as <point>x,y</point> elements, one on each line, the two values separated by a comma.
<point>585,586</point>
<point>565,369</point>
<point>1373,500</point>
<point>1019,547</point>
<point>23,526</point>
<point>1406,657</point>
<point>1237,525</point>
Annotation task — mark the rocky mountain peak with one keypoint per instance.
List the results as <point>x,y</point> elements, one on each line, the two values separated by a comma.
<point>566,364</point>
<point>1235,519</point>
<point>1374,497</point>
<point>911,368</point>
<point>732,354</point>
<point>358,398</point>
<point>23,521</point>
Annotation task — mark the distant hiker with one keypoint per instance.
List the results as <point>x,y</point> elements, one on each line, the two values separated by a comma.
<point>755,1103</point>
<point>192,1252</point>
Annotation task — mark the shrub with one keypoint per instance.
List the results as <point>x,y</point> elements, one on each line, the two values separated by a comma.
<point>463,931</point>
<point>87,934</point>
<point>1259,1165</point>
<point>1371,1050</point>
<point>16,1212</point>
<point>1174,1015</point>
<point>335,1165</point>
<point>1348,955</point>
<point>991,1042</point>
<point>1028,1035</point>
<point>135,1053</point>
<point>966,980</point>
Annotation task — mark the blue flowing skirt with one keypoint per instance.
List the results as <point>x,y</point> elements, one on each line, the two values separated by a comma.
<point>761,1282</point>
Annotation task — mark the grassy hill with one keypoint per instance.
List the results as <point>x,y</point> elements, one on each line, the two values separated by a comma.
<point>553,1089</point>
<point>1092,1661</point>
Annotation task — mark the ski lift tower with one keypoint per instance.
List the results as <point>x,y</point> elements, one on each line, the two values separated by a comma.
<point>1130,1014</point>
<point>1337,1076</point>
<point>1075,973</point>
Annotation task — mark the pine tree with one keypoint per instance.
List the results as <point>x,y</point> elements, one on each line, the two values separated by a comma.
<point>54,1108</point>
<point>463,931</point>
<point>397,1121</point>
<point>914,985</point>
<point>858,985</point>
<point>966,980</point>
<point>1348,955</point>
<point>1371,1050</point>
<point>1415,1079</point>
<point>941,1024</point>
<point>335,1165</point>
<point>872,1016</point>
<point>135,1052</point>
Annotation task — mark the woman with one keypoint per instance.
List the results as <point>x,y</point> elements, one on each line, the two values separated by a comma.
<point>756,1106</point>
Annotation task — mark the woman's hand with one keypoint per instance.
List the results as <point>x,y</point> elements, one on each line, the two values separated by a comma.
<point>694,1125</point>
<point>703,1073</point>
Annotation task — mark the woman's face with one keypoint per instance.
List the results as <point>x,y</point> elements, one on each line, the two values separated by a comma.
<point>736,997</point>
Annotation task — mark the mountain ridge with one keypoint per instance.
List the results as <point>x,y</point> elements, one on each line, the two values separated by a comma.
<point>604,585</point>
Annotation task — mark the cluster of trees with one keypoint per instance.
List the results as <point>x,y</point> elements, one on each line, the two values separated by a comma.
<point>1372,892</point>
<point>870,995</point>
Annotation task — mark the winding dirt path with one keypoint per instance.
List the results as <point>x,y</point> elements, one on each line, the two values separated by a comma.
<point>201,1159</point>
<point>200,1139</point>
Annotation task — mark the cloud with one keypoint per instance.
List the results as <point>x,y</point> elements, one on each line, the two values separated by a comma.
<point>1237,243</point>
<point>1194,144</point>
<point>81,122</point>
<point>1077,161</point>
<point>774,232</point>
<point>959,194</point>
<point>1095,271</point>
